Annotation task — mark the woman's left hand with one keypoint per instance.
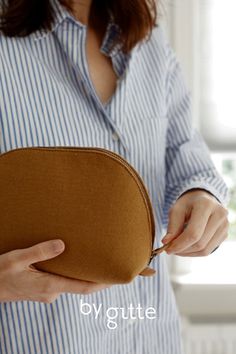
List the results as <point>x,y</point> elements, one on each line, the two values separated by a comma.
<point>206,224</point>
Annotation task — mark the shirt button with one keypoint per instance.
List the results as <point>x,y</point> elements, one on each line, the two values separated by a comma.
<point>115,136</point>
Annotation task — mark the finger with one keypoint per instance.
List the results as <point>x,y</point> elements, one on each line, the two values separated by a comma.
<point>213,224</point>
<point>176,223</point>
<point>61,284</point>
<point>220,235</point>
<point>39,252</point>
<point>193,232</point>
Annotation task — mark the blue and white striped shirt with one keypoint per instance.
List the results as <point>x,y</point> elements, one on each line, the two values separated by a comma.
<point>47,99</point>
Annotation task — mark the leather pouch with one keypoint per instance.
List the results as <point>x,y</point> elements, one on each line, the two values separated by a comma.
<point>91,198</point>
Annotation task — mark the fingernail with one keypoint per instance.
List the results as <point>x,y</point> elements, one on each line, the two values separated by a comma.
<point>58,246</point>
<point>167,238</point>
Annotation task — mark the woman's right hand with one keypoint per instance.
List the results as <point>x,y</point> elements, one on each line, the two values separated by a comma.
<point>20,280</point>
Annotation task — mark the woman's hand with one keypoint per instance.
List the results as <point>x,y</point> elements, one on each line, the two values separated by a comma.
<point>207,224</point>
<point>19,280</point>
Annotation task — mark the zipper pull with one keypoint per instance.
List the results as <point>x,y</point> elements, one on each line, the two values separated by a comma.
<point>158,251</point>
<point>148,272</point>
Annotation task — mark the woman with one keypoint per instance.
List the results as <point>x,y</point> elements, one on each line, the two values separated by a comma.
<point>101,73</point>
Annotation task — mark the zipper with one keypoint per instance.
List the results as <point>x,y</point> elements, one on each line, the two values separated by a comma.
<point>132,171</point>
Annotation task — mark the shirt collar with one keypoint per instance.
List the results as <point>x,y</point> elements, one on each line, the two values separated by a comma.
<point>60,14</point>
<point>107,47</point>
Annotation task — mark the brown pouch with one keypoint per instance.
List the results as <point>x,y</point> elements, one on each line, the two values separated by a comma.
<point>91,198</point>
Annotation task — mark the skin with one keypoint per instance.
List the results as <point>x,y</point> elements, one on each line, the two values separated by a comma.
<point>207,219</point>
<point>207,224</point>
<point>81,10</point>
<point>19,280</point>
<point>101,71</point>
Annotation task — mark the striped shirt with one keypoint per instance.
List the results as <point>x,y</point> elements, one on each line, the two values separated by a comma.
<point>47,99</point>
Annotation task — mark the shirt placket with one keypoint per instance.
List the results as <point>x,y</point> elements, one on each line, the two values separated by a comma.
<point>82,66</point>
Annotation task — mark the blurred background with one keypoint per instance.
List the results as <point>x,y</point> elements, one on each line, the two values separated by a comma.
<point>202,32</point>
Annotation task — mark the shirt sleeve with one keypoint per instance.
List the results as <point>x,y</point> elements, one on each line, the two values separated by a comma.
<point>188,162</point>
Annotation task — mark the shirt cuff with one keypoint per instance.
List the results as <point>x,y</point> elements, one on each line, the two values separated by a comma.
<point>222,197</point>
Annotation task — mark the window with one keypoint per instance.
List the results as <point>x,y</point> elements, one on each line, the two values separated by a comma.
<point>217,71</point>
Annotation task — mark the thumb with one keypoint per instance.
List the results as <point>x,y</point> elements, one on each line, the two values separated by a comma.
<point>40,252</point>
<point>176,223</point>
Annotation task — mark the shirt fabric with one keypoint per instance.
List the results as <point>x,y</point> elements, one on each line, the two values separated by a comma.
<point>47,99</point>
